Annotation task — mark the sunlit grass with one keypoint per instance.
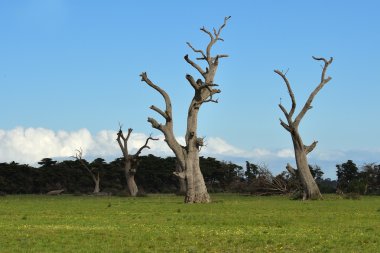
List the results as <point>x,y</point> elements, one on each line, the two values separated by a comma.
<point>162,223</point>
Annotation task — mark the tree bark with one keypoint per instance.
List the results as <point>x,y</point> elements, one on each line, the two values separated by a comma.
<point>181,179</point>
<point>196,187</point>
<point>130,177</point>
<point>131,161</point>
<point>132,186</point>
<point>310,187</point>
<point>188,156</point>
<point>97,183</point>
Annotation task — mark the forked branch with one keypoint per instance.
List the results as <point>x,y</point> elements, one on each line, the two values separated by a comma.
<point>145,145</point>
<point>310,148</point>
<point>214,37</point>
<point>167,128</point>
<point>124,145</point>
<point>167,114</point>
<point>324,80</point>
<point>307,106</point>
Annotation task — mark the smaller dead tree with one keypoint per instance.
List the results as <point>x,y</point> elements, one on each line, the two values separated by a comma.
<point>310,187</point>
<point>131,162</point>
<point>94,173</point>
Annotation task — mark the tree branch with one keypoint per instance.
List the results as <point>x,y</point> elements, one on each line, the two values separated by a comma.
<point>196,66</point>
<point>284,111</point>
<point>197,50</point>
<point>207,56</point>
<point>159,111</point>
<point>180,174</point>
<point>120,136</point>
<point>193,83</point>
<point>310,148</point>
<point>291,170</point>
<point>168,111</point>
<point>291,94</point>
<point>324,80</point>
<point>326,64</point>
<point>284,125</point>
<point>213,40</point>
<point>155,124</point>
<point>145,145</point>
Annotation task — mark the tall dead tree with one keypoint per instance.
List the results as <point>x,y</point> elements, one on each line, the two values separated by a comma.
<point>310,187</point>
<point>92,171</point>
<point>131,162</point>
<point>188,155</point>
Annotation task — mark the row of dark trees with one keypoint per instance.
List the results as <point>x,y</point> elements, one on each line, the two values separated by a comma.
<point>156,175</point>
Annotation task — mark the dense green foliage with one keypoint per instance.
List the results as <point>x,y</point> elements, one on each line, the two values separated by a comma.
<point>353,180</point>
<point>161,223</point>
<point>155,175</point>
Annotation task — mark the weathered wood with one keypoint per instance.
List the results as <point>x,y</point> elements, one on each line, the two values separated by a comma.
<point>55,192</point>
<point>311,190</point>
<point>131,162</point>
<point>188,155</point>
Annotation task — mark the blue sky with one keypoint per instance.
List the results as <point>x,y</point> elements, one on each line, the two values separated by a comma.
<point>73,66</point>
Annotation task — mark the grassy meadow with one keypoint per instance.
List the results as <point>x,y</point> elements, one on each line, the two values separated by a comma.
<point>162,223</point>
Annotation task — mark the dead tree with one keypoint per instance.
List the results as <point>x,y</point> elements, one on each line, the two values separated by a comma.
<point>131,162</point>
<point>188,155</point>
<point>91,170</point>
<point>310,187</point>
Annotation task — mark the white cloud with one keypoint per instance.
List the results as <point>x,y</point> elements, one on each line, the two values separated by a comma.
<point>216,145</point>
<point>285,153</point>
<point>30,145</point>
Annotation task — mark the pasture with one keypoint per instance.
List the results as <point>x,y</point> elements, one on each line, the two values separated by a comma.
<point>162,223</point>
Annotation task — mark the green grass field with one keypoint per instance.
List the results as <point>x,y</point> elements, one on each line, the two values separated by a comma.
<point>162,223</point>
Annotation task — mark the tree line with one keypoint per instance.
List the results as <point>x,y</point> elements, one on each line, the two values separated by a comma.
<point>157,175</point>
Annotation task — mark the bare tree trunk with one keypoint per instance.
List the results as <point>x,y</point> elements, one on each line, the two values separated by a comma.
<point>196,187</point>
<point>132,186</point>
<point>179,172</point>
<point>311,190</point>
<point>97,183</point>
<point>188,156</point>
<point>130,176</point>
<point>310,187</point>
<point>131,162</point>
<point>182,186</point>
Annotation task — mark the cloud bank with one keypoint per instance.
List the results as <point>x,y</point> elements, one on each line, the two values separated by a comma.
<point>30,145</point>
